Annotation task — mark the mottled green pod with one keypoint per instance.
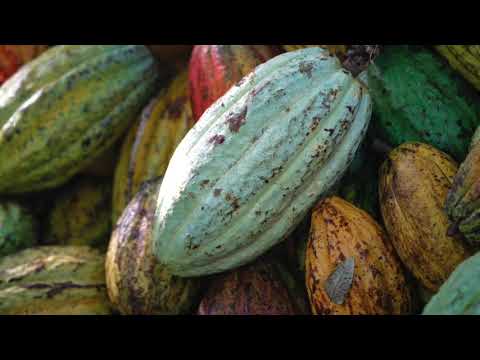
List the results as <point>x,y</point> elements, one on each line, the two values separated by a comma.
<point>53,280</point>
<point>137,284</point>
<point>67,107</point>
<point>18,228</point>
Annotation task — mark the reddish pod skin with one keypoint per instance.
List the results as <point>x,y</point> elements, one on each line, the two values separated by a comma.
<point>214,69</point>
<point>254,289</point>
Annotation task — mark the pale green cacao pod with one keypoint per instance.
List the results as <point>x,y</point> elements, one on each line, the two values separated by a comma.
<point>256,162</point>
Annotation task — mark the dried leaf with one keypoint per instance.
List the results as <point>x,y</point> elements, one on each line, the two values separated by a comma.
<point>339,282</point>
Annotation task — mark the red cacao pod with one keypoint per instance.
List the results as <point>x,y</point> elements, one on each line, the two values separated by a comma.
<point>214,69</point>
<point>12,57</point>
<point>255,289</point>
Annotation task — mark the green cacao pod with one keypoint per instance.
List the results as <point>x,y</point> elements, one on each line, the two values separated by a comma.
<point>254,164</point>
<point>465,59</point>
<point>147,149</point>
<point>53,280</point>
<point>418,97</point>
<point>413,187</point>
<point>137,284</point>
<point>460,294</point>
<point>81,214</point>
<point>463,200</point>
<point>18,228</point>
<point>65,108</point>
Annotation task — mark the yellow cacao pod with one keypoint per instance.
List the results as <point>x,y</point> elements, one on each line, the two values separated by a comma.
<point>351,267</point>
<point>465,59</point>
<point>414,183</point>
<point>150,143</point>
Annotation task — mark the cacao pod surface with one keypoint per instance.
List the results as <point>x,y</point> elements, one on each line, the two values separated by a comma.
<point>465,59</point>
<point>150,143</point>
<point>53,280</point>
<point>65,108</point>
<point>374,284</point>
<point>247,173</point>
<point>414,182</point>
<point>137,284</point>
<point>214,69</point>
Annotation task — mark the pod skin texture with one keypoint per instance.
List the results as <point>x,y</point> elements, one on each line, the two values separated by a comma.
<point>53,280</point>
<point>81,214</point>
<point>65,108</point>
<point>214,69</point>
<point>18,227</point>
<point>341,231</point>
<point>137,284</point>
<point>418,97</point>
<point>460,294</point>
<point>463,200</point>
<point>465,59</point>
<point>13,57</point>
<point>149,145</point>
<point>414,182</point>
<point>256,289</point>
<point>258,159</point>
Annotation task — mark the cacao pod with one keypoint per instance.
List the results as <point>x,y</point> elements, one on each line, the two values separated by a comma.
<point>460,294</point>
<point>214,69</point>
<point>463,200</point>
<point>413,186</point>
<point>418,97</point>
<point>137,284</point>
<point>465,59</point>
<point>339,50</point>
<point>81,214</point>
<point>65,108</point>
<point>256,289</point>
<point>247,173</point>
<point>53,280</point>
<point>149,144</point>
<point>13,57</point>
<point>372,284</point>
<point>18,228</point>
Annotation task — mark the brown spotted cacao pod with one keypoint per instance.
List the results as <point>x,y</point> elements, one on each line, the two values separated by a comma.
<point>414,182</point>
<point>351,268</point>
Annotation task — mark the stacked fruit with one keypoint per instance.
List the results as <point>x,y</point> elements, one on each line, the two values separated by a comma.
<point>239,179</point>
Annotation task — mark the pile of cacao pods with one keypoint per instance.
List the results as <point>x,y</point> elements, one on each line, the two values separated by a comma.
<point>239,179</point>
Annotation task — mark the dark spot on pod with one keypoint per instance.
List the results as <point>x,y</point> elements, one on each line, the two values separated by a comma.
<point>330,131</point>
<point>217,192</point>
<point>217,139</point>
<point>204,183</point>
<point>175,108</point>
<point>306,68</point>
<point>236,121</point>
<point>86,143</point>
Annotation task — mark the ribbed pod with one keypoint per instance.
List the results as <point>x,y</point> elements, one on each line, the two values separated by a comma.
<point>147,149</point>
<point>214,69</point>
<point>137,284</point>
<point>460,294</point>
<point>465,59</point>
<point>257,160</point>
<point>339,232</point>
<point>418,97</point>
<point>463,200</point>
<point>65,108</point>
<point>256,289</point>
<point>53,281</point>
<point>414,182</point>
<point>81,214</point>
